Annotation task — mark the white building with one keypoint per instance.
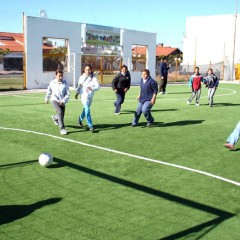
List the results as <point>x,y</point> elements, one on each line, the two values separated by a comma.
<point>35,29</point>
<point>212,42</point>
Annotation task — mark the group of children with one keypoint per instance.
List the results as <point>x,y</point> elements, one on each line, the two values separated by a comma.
<point>58,91</point>
<point>210,81</point>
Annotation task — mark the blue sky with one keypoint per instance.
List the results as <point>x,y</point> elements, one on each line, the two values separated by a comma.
<point>166,18</point>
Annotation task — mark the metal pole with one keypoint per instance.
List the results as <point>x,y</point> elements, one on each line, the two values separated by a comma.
<point>176,70</point>
<point>234,38</point>
<point>24,57</point>
<point>195,54</point>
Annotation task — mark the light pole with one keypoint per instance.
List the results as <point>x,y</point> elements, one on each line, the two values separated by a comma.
<point>177,60</point>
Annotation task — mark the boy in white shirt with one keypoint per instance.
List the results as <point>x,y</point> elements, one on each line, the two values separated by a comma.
<point>58,90</point>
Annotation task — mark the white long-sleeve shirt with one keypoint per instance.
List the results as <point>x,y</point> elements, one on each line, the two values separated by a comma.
<point>58,91</point>
<point>84,83</point>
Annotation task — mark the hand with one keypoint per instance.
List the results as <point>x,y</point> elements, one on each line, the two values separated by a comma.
<point>61,103</point>
<point>76,96</point>
<point>137,98</point>
<point>153,100</point>
<point>115,90</point>
<point>162,77</point>
<point>125,89</point>
<point>46,101</point>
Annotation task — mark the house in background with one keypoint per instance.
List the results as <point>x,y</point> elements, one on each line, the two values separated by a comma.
<point>13,42</point>
<point>169,52</point>
<point>161,51</point>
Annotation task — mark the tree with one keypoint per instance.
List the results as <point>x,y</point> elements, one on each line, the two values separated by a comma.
<point>3,53</point>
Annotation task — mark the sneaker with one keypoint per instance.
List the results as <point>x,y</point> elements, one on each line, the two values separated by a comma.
<point>229,145</point>
<point>80,123</point>
<point>188,102</point>
<point>164,92</point>
<point>63,131</point>
<point>91,129</point>
<point>117,113</point>
<point>197,104</point>
<point>149,124</point>
<point>161,93</point>
<point>54,120</point>
<point>133,125</point>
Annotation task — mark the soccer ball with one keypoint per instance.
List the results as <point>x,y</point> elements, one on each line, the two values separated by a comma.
<point>45,159</point>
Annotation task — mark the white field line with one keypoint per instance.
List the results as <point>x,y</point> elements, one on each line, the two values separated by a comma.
<point>130,100</point>
<point>127,154</point>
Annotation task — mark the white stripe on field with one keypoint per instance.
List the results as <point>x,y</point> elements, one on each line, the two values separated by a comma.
<point>127,154</point>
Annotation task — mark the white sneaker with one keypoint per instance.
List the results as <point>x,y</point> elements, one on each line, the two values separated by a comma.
<point>54,120</point>
<point>197,104</point>
<point>161,93</point>
<point>63,131</point>
<point>188,102</point>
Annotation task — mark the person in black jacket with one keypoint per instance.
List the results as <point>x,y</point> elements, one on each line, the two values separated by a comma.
<point>163,76</point>
<point>120,85</point>
<point>146,99</point>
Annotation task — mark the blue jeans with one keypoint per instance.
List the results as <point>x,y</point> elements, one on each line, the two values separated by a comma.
<point>120,99</point>
<point>234,136</point>
<point>144,108</point>
<point>86,112</point>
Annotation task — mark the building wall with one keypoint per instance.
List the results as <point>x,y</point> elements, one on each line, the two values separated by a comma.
<point>37,28</point>
<point>34,30</point>
<point>210,39</point>
<point>132,37</point>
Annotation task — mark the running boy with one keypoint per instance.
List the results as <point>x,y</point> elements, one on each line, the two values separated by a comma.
<point>195,82</point>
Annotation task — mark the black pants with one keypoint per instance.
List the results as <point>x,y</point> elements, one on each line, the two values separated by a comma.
<point>163,84</point>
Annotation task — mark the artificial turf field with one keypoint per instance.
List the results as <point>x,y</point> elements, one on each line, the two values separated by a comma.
<point>172,181</point>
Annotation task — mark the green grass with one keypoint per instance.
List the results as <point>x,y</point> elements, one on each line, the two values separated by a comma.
<point>11,83</point>
<point>92,193</point>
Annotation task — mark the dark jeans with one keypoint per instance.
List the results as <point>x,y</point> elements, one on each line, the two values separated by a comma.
<point>163,84</point>
<point>144,108</point>
<point>60,112</point>
<point>120,99</point>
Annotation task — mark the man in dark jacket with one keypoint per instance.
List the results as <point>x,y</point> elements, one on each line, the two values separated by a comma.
<point>120,85</point>
<point>146,99</point>
<point>163,76</point>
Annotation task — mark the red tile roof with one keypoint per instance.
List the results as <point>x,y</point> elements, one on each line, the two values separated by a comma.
<point>15,42</point>
<point>164,51</point>
<point>12,41</point>
<point>160,50</point>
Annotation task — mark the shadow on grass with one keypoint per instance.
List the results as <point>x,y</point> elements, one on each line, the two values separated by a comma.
<point>17,164</point>
<point>104,127</point>
<point>182,123</point>
<point>224,104</point>
<point>152,110</point>
<point>206,226</point>
<point>10,213</point>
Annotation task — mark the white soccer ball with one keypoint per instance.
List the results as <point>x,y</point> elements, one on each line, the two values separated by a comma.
<point>45,159</point>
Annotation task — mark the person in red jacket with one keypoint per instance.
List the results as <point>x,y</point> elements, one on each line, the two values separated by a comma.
<point>195,82</point>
